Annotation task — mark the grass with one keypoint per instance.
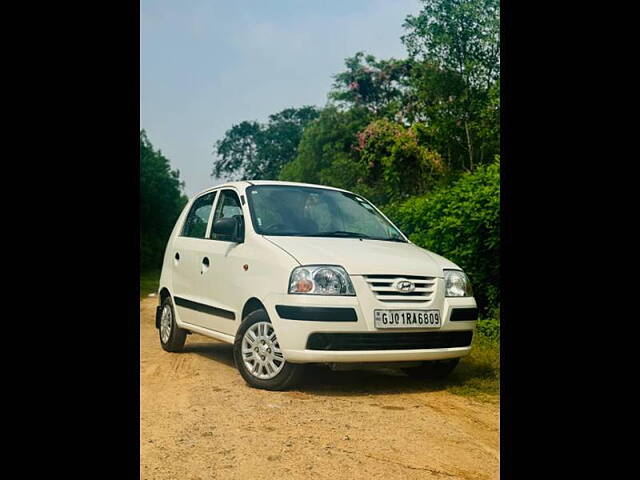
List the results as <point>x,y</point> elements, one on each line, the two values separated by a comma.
<point>149,281</point>
<point>478,374</point>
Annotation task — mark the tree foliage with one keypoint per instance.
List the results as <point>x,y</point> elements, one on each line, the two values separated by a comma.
<point>250,150</point>
<point>437,98</point>
<point>462,36</point>
<point>457,42</point>
<point>376,85</point>
<point>161,201</point>
<point>330,139</point>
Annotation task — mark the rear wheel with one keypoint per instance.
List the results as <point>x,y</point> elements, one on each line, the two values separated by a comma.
<point>172,337</point>
<point>258,356</point>
<point>433,370</point>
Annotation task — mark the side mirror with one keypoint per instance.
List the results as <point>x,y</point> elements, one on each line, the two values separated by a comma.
<point>232,227</point>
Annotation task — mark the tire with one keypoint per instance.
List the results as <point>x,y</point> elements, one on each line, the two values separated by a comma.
<point>174,341</point>
<point>433,370</point>
<point>265,367</point>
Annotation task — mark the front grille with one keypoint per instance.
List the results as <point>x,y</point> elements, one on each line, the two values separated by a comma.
<point>385,291</point>
<point>389,341</point>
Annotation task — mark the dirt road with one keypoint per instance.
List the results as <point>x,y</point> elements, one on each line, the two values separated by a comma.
<point>199,420</point>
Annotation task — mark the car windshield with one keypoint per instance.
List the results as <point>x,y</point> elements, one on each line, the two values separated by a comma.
<point>285,210</point>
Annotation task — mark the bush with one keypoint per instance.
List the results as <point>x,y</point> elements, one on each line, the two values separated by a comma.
<point>462,223</point>
<point>489,327</point>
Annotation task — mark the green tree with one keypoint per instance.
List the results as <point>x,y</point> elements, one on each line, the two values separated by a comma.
<point>460,35</point>
<point>437,98</point>
<point>489,124</point>
<point>250,150</point>
<point>463,37</point>
<point>161,202</point>
<point>328,141</point>
<point>376,85</point>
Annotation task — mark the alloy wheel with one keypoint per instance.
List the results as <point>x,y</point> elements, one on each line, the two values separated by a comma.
<point>261,351</point>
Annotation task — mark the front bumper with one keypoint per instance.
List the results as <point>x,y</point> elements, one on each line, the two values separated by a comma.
<point>329,356</point>
<point>293,333</point>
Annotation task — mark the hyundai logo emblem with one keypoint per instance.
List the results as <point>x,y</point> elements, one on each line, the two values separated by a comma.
<point>405,286</point>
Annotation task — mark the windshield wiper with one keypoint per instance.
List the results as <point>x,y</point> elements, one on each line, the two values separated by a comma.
<point>342,233</point>
<point>336,233</point>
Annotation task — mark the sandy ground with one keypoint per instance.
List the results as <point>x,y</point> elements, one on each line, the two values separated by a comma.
<point>199,420</point>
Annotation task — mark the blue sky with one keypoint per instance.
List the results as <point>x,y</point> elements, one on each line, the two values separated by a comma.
<point>206,65</point>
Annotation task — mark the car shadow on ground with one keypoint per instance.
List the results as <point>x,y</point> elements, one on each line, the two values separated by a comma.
<point>321,380</point>
<point>212,350</point>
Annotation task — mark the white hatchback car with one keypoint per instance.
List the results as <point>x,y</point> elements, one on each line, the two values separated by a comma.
<point>292,273</point>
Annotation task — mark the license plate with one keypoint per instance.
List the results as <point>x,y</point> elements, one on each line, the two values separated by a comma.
<point>407,318</point>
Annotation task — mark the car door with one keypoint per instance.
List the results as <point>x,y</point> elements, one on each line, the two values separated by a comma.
<point>186,259</point>
<point>219,287</point>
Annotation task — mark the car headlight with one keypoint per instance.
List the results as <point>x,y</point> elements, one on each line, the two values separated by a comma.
<point>457,284</point>
<point>320,280</point>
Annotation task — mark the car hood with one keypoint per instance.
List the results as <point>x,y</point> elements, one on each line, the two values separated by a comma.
<point>364,257</point>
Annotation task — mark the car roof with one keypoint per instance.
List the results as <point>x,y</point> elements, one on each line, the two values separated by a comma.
<point>247,183</point>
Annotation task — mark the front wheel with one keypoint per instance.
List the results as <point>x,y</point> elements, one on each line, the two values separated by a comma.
<point>433,370</point>
<point>258,356</point>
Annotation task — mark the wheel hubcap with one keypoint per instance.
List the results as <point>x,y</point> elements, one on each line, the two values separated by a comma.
<point>165,324</point>
<point>261,352</point>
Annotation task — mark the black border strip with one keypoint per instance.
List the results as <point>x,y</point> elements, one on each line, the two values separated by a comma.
<point>464,314</point>
<point>317,314</point>
<point>201,307</point>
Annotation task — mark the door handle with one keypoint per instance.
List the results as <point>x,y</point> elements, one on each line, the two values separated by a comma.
<point>176,259</point>
<point>205,265</point>
<point>177,255</point>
